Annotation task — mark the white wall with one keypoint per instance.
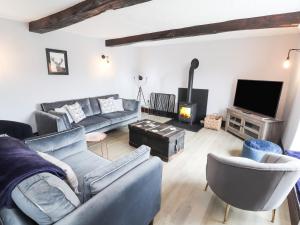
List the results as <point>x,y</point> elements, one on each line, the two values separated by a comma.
<point>24,80</point>
<point>222,62</point>
<point>291,138</point>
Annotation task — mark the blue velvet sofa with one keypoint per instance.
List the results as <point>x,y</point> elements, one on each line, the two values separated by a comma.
<point>122,192</point>
<point>49,121</point>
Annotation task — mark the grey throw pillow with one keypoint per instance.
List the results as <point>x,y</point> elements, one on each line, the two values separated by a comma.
<point>45,198</point>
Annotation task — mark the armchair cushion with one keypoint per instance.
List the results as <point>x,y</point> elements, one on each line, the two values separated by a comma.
<point>101,177</point>
<point>45,198</point>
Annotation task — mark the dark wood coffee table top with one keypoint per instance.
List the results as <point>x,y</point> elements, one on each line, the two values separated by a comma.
<point>156,128</point>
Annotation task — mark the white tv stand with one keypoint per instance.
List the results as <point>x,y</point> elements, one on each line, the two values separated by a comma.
<point>251,125</point>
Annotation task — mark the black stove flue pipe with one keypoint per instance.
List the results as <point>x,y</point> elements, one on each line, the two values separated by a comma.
<point>194,65</point>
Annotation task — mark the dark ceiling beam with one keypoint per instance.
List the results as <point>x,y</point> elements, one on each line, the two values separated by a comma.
<point>78,13</point>
<point>262,22</point>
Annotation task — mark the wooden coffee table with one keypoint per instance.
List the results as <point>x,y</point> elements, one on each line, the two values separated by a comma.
<point>165,140</point>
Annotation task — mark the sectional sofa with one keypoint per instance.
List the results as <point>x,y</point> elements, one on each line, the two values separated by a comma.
<point>50,121</point>
<point>122,192</point>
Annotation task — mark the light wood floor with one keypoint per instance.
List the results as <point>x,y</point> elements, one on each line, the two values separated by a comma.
<point>183,200</point>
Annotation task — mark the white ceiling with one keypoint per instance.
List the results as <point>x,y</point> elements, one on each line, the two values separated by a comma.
<point>152,16</point>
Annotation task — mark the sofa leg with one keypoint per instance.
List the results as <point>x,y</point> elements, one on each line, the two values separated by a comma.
<point>226,213</point>
<point>152,222</point>
<point>273,215</point>
<point>206,187</point>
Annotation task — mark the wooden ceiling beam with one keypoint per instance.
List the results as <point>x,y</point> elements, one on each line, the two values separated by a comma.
<point>78,13</point>
<point>263,22</point>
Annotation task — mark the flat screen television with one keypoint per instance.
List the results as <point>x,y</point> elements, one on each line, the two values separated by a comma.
<point>258,96</point>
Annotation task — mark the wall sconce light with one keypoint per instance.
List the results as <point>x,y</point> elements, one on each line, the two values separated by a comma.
<point>105,58</point>
<point>287,62</point>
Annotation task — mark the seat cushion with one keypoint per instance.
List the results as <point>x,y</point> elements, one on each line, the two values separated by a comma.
<point>84,162</point>
<point>117,117</point>
<point>93,123</point>
<point>45,198</point>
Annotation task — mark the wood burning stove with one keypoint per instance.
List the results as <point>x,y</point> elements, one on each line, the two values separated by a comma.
<point>188,110</point>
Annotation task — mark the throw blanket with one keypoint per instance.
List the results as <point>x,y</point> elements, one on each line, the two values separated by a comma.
<point>18,162</point>
<point>296,155</point>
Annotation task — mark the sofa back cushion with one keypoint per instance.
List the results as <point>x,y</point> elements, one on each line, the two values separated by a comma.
<point>98,179</point>
<point>60,145</point>
<point>45,198</point>
<point>84,103</point>
<point>95,102</point>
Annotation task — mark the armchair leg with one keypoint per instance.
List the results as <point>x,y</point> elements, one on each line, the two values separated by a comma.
<point>205,189</point>
<point>273,215</point>
<point>226,213</point>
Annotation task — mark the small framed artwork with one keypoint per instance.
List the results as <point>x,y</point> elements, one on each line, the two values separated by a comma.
<point>57,62</point>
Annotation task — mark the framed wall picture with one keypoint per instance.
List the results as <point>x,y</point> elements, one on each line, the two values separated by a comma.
<point>57,62</point>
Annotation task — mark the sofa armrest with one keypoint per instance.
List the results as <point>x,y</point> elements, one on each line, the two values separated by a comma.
<point>131,105</point>
<point>49,123</point>
<point>133,199</point>
<point>63,116</point>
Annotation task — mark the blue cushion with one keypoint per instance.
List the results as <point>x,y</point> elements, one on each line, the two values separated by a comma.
<point>45,198</point>
<point>256,149</point>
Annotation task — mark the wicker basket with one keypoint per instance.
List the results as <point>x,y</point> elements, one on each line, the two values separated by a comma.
<point>213,122</point>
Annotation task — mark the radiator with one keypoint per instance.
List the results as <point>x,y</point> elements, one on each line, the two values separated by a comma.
<point>162,104</point>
